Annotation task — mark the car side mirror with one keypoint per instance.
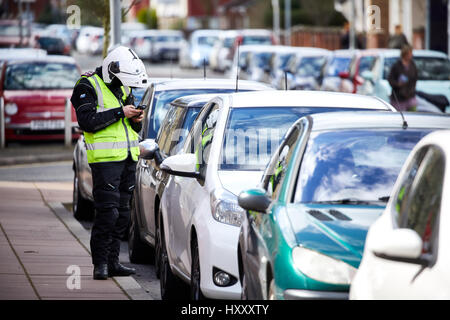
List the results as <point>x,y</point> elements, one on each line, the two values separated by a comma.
<point>402,245</point>
<point>182,165</point>
<point>254,200</point>
<point>148,148</point>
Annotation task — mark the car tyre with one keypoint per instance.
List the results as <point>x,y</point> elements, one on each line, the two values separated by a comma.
<point>83,209</point>
<point>138,251</point>
<point>196,292</point>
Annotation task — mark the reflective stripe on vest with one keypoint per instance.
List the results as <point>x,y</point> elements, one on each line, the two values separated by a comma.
<point>111,145</point>
<point>113,142</point>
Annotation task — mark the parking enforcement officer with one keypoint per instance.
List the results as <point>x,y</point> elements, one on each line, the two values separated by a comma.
<point>105,112</point>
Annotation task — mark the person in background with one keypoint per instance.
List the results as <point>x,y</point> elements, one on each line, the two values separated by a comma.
<point>402,78</point>
<point>398,40</point>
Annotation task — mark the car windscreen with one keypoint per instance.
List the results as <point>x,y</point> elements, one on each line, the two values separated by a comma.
<point>253,134</point>
<point>428,68</point>
<point>247,40</point>
<point>338,64</point>
<point>41,75</point>
<point>10,30</point>
<point>310,66</point>
<point>353,165</point>
<point>262,59</point>
<point>206,41</point>
<point>161,103</point>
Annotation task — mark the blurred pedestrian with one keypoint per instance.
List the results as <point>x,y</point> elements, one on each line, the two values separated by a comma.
<point>106,113</point>
<point>398,40</point>
<point>402,78</point>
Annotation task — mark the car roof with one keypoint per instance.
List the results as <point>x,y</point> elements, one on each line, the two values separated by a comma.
<point>396,53</point>
<point>345,52</point>
<point>370,119</point>
<point>46,58</point>
<point>21,53</point>
<point>195,100</point>
<point>209,83</point>
<point>303,98</point>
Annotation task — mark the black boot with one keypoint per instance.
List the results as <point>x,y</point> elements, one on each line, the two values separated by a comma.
<point>118,270</point>
<point>101,272</point>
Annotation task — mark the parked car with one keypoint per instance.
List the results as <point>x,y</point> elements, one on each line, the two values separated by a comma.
<point>406,255</point>
<point>16,53</point>
<point>306,223</point>
<point>52,44</point>
<point>220,58</point>
<point>195,52</point>
<point>34,92</point>
<point>338,63</point>
<point>248,37</point>
<point>141,42</point>
<point>301,64</point>
<point>84,39</point>
<point>166,45</point>
<point>307,73</point>
<point>199,215</point>
<point>157,97</point>
<point>82,201</point>
<point>433,73</point>
<point>10,34</point>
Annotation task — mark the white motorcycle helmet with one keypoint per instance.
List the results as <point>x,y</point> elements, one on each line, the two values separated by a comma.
<point>123,63</point>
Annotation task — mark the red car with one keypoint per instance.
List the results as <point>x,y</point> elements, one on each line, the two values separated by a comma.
<point>34,92</point>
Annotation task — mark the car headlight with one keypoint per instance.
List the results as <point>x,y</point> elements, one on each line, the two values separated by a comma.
<point>322,268</point>
<point>226,210</point>
<point>196,56</point>
<point>11,108</point>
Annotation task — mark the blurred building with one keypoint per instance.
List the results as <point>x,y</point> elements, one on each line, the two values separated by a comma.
<point>425,23</point>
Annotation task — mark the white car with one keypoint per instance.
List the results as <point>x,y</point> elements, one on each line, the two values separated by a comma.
<point>84,40</point>
<point>433,73</point>
<point>226,152</point>
<point>339,62</point>
<point>196,51</point>
<point>406,253</point>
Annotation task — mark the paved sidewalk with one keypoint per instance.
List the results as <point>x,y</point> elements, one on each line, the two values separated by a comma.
<point>37,248</point>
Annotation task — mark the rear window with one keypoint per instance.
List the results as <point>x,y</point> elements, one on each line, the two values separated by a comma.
<point>41,75</point>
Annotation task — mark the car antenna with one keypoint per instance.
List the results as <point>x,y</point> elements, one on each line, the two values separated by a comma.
<point>285,81</point>
<point>237,65</point>
<point>204,68</point>
<point>405,124</point>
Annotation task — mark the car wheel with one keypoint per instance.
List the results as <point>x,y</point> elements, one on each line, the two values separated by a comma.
<point>171,286</point>
<point>138,251</point>
<point>83,209</point>
<point>196,292</point>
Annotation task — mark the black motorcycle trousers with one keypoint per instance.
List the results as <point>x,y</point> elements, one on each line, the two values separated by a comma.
<point>113,185</point>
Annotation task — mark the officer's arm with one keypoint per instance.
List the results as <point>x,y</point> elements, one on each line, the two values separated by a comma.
<point>84,100</point>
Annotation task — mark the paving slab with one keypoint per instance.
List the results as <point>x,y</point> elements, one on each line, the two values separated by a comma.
<point>37,250</point>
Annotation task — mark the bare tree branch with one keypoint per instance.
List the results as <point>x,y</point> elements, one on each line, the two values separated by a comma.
<point>125,12</point>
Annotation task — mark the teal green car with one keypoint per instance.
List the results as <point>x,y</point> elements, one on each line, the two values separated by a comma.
<point>306,223</point>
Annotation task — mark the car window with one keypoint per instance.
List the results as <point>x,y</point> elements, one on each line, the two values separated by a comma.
<point>275,173</point>
<point>162,101</point>
<point>403,193</point>
<point>338,64</point>
<point>204,140</point>
<point>422,210</point>
<point>366,63</point>
<point>41,75</point>
<point>359,165</point>
<point>165,135</point>
<point>184,127</point>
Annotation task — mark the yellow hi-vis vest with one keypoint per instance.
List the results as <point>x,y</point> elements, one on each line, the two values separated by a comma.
<point>113,142</point>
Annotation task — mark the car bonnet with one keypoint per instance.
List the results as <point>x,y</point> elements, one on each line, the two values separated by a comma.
<point>338,231</point>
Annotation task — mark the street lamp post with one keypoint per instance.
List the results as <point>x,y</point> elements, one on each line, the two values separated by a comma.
<point>276,18</point>
<point>116,20</point>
